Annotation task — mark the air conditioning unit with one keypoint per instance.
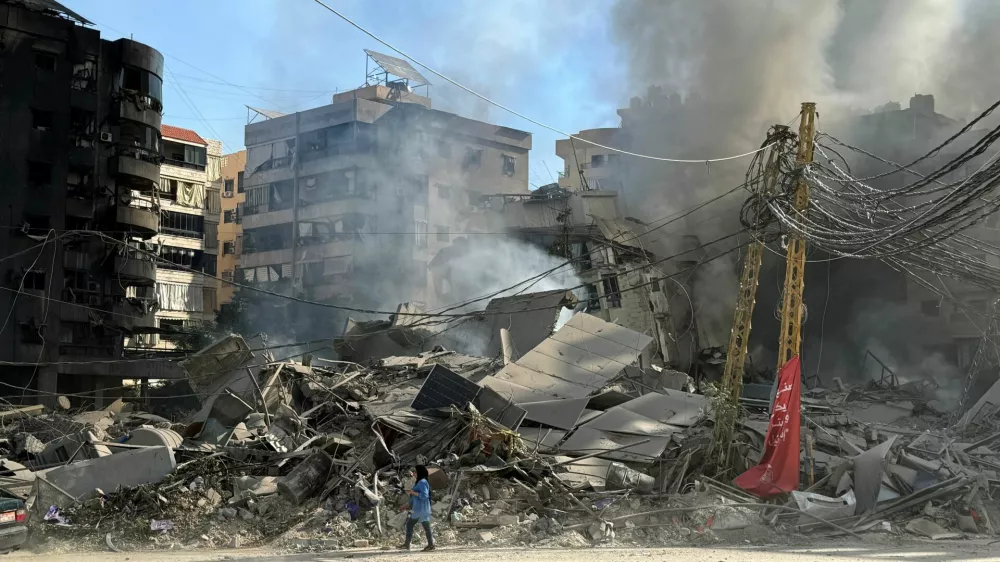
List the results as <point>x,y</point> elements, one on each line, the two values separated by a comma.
<point>106,137</point>
<point>311,183</point>
<point>93,286</point>
<point>94,300</point>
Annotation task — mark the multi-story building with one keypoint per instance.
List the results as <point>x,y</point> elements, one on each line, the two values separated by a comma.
<point>187,243</point>
<point>588,166</point>
<point>955,323</point>
<point>230,231</point>
<point>80,144</point>
<point>350,201</point>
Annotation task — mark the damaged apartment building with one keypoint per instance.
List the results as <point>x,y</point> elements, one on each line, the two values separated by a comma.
<point>187,242</point>
<point>81,163</point>
<point>350,201</point>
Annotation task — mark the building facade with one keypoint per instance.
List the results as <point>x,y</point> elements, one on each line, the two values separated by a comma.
<point>350,201</point>
<point>81,163</point>
<point>187,243</point>
<point>230,231</point>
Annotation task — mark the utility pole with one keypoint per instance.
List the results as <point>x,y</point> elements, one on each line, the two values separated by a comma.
<point>732,377</point>
<point>790,337</point>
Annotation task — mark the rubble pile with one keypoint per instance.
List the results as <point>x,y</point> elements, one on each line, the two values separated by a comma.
<point>567,445</point>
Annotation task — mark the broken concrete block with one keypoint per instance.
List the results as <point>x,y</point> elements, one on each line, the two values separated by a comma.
<point>361,543</point>
<point>228,512</point>
<point>245,514</point>
<point>486,536</point>
<point>929,529</point>
<point>132,468</point>
<point>967,524</point>
<point>213,497</point>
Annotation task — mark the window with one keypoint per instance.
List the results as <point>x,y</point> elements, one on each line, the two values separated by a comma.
<point>444,192</point>
<point>444,149</point>
<point>41,120</point>
<point>144,83</point>
<point>930,308</point>
<point>229,216</point>
<point>171,325</point>
<point>39,174</point>
<point>593,298</point>
<point>597,161</point>
<point>45,62</point>
<point>239,182</point>
<point>36,225</point>
<point>443,233</point>
<point>420,229</point>
<point>227,275</point>
<point>185,155</point>
<point>213,203</point>
<point>508,165</point>
<point>473,158</point>
<point>182,224</point>
<point>611,291</point>
<point>211,235</point>
<point>33,280</point>
<point>228,248</point>
<point>227,188</point>
<point>209,264</point>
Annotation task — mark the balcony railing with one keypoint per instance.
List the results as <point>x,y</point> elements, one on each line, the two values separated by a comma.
<point>183,164</point>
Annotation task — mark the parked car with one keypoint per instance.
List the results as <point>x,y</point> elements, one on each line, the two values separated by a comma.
<point>13,522</point>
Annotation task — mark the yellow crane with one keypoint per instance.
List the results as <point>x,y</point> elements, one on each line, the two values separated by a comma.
<point>727,408</point>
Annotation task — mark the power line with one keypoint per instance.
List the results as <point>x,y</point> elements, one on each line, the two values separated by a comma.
<point>525,117</point>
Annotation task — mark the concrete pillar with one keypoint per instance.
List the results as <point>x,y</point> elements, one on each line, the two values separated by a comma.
<point>47,386</point>
<point>98,388</point>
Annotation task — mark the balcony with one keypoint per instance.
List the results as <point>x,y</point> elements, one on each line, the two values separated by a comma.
<point>144,222</point>
<point>130,317</point>
<point>135,270</point>
<point>132,172</point>
<point>183,164</point>
<point>126,109</point>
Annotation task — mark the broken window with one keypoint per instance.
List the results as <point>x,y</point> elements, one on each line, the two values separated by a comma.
<point>31,333</point>
<point>148,86</point>
<point>930,308</point>
<point>473,158</point>
<point>35,225</point>
<point>39,174</point>
<point>420,229</point>
<point>41,120</point>
<point>508,165</point>
<point>45,62</point>
<point>593,298</point>
<point>443,233</point>
<point>597,161</point>
<point>33,280</point>
<point>611,291</point>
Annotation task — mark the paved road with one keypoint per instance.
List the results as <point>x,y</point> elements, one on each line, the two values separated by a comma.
<point>925,552</point>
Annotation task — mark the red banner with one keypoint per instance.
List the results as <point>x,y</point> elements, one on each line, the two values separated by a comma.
<point>778,471</point>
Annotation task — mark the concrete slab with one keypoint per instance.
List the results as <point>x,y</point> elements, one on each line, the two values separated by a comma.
<point>587,440</point>
<point>564,414</point>
<point>132,468</point>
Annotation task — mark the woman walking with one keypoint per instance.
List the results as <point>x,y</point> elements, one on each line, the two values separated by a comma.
<point>420,509</point>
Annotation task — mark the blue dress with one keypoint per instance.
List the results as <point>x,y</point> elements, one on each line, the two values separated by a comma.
<point>420,505</point>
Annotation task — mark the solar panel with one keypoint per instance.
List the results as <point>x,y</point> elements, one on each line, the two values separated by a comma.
<point>397,67</point>
<point>444,388</point>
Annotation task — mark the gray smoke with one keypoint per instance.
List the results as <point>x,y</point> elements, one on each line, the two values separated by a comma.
<point>724,71</point>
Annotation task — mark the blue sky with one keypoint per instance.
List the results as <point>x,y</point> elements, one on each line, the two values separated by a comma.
<point>551,60</point>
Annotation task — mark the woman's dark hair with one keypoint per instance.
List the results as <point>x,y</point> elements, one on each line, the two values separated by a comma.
<point>421,472</point>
